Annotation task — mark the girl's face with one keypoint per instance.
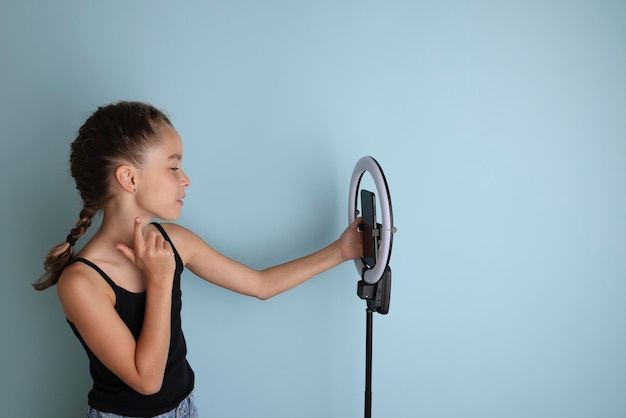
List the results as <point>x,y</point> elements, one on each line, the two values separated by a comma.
<point>161,182</point>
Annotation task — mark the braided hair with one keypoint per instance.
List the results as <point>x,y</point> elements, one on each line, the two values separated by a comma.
<point>113,134</point>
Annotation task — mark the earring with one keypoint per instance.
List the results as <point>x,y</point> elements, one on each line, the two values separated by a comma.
<point>135,190</point>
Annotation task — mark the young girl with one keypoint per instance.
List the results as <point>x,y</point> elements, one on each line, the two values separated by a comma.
<point>121,292</point>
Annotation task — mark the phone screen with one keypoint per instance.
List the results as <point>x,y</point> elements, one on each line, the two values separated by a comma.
<point>368,211</point>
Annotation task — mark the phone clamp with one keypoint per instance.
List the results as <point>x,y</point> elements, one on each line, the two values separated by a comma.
<point>376,295</point>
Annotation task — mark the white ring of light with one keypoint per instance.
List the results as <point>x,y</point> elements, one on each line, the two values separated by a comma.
<point>387,229</point>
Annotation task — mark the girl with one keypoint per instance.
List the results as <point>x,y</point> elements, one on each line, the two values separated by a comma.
<point>121,292</point>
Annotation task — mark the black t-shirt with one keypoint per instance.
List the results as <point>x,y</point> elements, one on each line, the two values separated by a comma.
<point>110,393</point>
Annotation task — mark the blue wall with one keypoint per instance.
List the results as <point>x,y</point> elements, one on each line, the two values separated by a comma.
<point>501,127</point>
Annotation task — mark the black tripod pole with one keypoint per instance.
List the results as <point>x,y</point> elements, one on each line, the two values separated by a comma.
<point>368,364</point>
<point>377,297</point>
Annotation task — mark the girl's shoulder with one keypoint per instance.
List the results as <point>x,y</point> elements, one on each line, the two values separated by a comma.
<point>175,232</point>
<point>81,282</point>
<point>182,238</point>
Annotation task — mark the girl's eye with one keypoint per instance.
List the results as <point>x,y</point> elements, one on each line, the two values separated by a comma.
<point>175,168</point>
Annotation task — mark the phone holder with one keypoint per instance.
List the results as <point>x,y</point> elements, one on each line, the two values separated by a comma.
<point>375,284</point>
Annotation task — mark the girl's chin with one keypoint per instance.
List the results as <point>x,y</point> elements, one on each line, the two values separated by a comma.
<point>169,216</point>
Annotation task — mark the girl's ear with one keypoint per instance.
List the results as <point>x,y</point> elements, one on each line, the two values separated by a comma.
<point>125,177</point>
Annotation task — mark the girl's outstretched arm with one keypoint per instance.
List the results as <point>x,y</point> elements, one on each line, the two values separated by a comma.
<point>207,263</point>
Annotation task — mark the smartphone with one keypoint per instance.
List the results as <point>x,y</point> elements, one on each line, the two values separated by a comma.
<point>370,242</point>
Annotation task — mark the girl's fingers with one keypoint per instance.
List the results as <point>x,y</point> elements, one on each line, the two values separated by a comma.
<point>138,242</point>
<point>151,254</point>
<point>138,234</point>
<point>130,254</point>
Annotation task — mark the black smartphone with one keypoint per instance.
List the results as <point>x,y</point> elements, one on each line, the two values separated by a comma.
<point>370,242</point>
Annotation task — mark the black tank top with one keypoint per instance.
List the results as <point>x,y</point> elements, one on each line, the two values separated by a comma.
<point>109,393</point>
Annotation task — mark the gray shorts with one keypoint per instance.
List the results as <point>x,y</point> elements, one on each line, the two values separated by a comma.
<point>186,409</point>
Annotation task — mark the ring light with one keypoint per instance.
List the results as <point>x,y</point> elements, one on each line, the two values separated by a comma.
<point>373,268</point>
<point>386,231</point>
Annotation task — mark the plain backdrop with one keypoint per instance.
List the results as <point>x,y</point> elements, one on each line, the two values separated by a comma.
<point>501,128</point>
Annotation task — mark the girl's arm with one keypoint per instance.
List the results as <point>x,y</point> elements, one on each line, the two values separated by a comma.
<point>216,268</point>
<point>88,304</point>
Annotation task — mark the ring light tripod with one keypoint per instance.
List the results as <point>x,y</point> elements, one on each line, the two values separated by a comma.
<point>373,268</point>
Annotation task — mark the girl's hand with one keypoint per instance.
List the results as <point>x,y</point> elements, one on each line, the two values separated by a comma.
<point>351,241</point>
<point>153,255</point>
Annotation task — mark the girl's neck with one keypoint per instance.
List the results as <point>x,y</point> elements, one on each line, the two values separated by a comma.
<point>117,227</point>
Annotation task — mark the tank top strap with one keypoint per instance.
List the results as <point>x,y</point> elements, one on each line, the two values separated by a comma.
<point>162,231</point>
<point>98,269</point>
<point>167,238</point>
<point>179,262</point>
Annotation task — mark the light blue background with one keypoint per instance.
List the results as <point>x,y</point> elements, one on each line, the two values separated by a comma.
<point>501,127</point>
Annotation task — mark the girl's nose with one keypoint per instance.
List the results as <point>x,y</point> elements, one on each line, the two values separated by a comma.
<point>186,180</point>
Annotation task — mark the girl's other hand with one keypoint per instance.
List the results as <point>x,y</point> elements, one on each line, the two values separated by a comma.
<point>153,255</point>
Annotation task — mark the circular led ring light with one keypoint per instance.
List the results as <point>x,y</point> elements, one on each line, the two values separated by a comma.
<point>387,229</point>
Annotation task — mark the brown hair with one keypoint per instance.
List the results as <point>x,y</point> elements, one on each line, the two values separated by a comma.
<point>116,133</point>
